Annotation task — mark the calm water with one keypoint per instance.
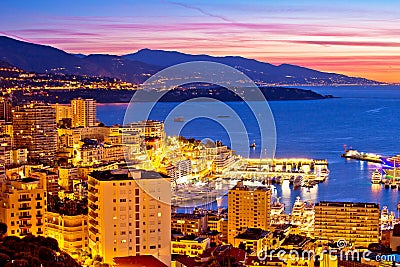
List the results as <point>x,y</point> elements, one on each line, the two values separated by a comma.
<point>366,118</point>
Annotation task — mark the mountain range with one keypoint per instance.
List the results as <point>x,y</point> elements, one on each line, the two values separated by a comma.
<point>138,66</point>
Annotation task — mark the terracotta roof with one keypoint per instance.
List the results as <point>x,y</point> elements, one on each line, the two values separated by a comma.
<point>138,261</point>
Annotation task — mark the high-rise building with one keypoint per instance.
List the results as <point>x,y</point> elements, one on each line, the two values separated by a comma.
<point>355,224</point>
<point>248,207</point>
<point>22,206</point>
<point>62,112</point>
<point>34,128</point>
<point>5,109</point>
<point>83,112</point>
<point>127,218</point>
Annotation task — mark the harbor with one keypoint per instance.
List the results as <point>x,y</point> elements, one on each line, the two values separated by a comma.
<point>270,173</point>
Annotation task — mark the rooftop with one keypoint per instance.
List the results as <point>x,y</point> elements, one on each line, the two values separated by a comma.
<point>347,204</point>
<point>253,234</point>
<point>125,174</point>
<point>296,240</point>
<point>188,216</point>
<point>241,186</point>
<point>138,261</point>
<point>46,171</point>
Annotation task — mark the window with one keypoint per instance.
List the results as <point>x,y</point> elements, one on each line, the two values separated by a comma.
<point>152,247</point>
<point>122,200</point>
<point>12,214</point>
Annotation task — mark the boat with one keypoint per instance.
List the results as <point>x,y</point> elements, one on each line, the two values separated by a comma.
<point>179,119</point>
<point>277,208</point>
<point>297,211</point>
<point>384,218</point>
<point>387,183</point>
<point>393,184</point>
<point>324,173</point>
<point>253,145</point>
<point>223,116</point>
<point>376,177</point>
<point>298,181</point>
<point>355,154</point>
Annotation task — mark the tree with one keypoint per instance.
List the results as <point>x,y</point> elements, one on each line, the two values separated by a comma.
<point>4,258</point>
<point>18,263</point>
<point>3,229</point>
<point>51,243</point>
<point>45,254</point>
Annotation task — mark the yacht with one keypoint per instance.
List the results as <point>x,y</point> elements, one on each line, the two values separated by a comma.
<point>384,214</point>
<point>376,177</point>
<point>387,183</point>
<point>298,207</point>
<point>298,181</point>
<point>393,184</point>
<point>324,174</point>
<point>277,208</point>
<point>179,119</point>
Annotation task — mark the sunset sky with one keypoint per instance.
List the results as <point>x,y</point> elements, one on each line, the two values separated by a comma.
<point>358,38</point>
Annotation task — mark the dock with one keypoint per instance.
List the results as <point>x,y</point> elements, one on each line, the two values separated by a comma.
<point>279,169</point>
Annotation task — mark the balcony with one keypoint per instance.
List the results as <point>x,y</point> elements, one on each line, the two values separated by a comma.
<point>25,216</point>
<point>93,230</point>
<point>93,222</point>
<point>25,225</point>
<point>93,198</point>
<point>24,199</point>
<point>93,190</point>
<point>93,214</point>
<point>39,215</point>
<point>93,206</point>
<point>24,208</point>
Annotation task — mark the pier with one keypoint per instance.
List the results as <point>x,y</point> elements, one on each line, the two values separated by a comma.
<point>285,169</point>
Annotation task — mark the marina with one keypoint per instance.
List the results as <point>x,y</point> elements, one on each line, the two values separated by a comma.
<point>270,173</point>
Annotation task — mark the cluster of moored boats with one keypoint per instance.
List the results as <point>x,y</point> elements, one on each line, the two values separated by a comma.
<point>386,177</point>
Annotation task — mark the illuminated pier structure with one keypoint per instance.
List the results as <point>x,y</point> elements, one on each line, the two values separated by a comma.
<point>278,170</point>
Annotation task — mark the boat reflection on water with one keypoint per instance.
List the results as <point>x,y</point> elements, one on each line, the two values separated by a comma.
<point>376,188</point>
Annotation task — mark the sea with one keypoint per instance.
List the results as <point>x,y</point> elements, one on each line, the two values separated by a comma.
<point>366,118</point>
